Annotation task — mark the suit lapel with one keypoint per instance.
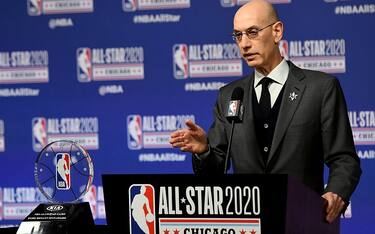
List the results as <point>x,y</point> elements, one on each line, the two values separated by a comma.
<point>292,96</point>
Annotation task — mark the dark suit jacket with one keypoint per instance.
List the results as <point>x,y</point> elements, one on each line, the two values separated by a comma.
<point>311,130</point>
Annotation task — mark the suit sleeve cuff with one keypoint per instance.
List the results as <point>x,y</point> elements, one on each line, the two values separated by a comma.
<point>204,155</point>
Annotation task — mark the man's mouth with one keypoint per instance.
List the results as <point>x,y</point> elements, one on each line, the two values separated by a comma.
<point>249,56</point>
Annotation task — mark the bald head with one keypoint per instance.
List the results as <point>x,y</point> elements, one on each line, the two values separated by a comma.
<point>257,10</point>
<point>259,21</point>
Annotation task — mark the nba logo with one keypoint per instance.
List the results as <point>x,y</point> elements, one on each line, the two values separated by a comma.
<point>142,206</point>
<point>84,66</point>
<point>134,131</point>
<point>63,171</point>
<point>39,128</point>
<point>233,108</point>
<point>34,7</point>
<point>284,49</point>
<point>180,61</point>
<point>129,5</point>
<point>228,3</point>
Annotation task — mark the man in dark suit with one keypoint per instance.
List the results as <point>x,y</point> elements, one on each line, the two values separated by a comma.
<point>294,120</point>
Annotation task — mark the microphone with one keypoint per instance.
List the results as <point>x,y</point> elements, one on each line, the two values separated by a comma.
<point>234,115</point>
<point>235,107</point>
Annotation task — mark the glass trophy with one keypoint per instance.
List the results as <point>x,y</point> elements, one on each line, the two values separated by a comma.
<point>63,173</point>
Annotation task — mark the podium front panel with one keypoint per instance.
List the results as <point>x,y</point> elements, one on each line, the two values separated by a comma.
<point>176,204</point>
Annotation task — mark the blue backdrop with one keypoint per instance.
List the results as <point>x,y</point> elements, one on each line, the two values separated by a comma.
<point>118,76</point>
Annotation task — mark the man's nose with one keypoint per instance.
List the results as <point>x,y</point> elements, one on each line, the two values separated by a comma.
<point>245,42</point>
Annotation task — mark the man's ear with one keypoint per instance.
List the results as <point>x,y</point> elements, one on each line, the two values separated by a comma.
<point>277,31</point>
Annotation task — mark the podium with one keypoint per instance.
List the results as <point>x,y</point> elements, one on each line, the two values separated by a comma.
<point>225,204</point>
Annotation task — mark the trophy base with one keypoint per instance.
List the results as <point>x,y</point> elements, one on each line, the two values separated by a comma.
<point>58,219</point>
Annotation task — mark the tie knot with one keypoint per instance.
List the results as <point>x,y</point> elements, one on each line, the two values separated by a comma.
<point>265,82</point>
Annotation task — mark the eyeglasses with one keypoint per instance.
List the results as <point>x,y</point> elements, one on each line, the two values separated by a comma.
<point>251,33</point>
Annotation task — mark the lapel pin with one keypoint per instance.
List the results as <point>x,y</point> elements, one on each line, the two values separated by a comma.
<point>293,96</point>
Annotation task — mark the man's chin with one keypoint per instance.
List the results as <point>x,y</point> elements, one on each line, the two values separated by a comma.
<point>252,63</point>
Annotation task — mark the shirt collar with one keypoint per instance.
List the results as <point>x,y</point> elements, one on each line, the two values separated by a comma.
<point>279,74</point>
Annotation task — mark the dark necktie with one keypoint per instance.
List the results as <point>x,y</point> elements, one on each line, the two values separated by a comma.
<point>265,97</point>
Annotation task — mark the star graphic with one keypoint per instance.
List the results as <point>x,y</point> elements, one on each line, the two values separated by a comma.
<point>166,231</point>
<point>242,232</point>
<point>293,96</point>
<point>183,200</point>
<point>253,232</point>
<point>176,231</point>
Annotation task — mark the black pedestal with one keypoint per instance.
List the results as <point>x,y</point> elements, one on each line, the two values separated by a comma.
<point>58,219</point>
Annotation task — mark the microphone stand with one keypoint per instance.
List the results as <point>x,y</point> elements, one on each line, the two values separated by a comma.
<point>228,149</point>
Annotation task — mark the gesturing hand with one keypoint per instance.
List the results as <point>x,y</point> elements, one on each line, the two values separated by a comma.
<point>191,139</point>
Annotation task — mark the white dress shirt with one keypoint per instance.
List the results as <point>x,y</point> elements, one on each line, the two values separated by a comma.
<point>279,75</point>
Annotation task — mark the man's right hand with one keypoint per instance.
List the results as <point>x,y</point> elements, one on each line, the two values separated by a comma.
<point>191,139</point>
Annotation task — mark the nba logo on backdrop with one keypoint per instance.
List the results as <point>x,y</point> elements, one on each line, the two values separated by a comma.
<point>180,61</point>
<point>63,171</point>
<point>129,5</point>
<point>284,49</point>
<point>84,65</point>
<point>39,128</point>
<point>134,131</point>
<point>34,7</point>
<point>142,205</point>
